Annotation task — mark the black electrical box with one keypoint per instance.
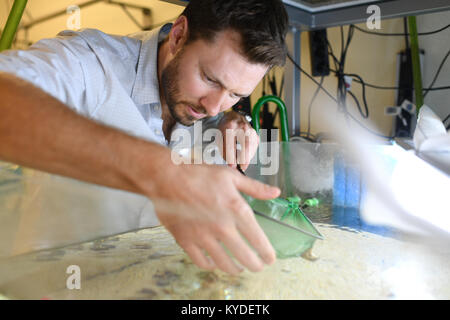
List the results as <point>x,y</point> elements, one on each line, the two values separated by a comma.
<point>318,44</point>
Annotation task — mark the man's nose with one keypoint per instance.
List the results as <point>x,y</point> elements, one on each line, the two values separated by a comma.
<point>214,101</point>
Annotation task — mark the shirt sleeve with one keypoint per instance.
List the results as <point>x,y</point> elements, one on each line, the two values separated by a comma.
<point>54,65</point>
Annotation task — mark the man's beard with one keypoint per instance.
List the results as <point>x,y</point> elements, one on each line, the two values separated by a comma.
<point>169,79</point>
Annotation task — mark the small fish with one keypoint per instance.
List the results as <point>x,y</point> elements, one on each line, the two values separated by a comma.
<point>309,255</point>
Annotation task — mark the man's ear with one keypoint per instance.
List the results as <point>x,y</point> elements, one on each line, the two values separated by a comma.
<point>178,34</point>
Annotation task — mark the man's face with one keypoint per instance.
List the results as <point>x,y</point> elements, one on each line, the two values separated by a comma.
<point>205,78</point>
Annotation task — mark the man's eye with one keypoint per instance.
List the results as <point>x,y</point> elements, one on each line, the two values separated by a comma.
<point>209,79</point>
<point>237,98</point>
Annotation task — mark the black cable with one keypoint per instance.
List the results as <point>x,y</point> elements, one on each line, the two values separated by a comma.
<point>342,89</point>
<point>282,85</point>
<point>446,118</point>
<point>311,78</point>
<point>392,88</point>
<point>265,106</point>
<point>363,84</point>
<point>402,88</point>
<point>331,53</point>
<point>380,87</point>
<point>340,93</point>
<point>437,73</point>
<point>273,87</point>
<point>405,28</point>
<point>364,115</point>
<point>438,88</point>
<point>349,39</point>
<point>401,34</point>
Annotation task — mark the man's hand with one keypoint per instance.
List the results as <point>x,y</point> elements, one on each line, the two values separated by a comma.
<point>214,214</point>
<point>236,129</point>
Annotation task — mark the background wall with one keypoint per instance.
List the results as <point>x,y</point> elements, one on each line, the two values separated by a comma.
<point>372,57</point>
<point>107,17</point>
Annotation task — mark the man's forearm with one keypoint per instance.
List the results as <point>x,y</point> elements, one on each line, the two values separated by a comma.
<point>38,131</point>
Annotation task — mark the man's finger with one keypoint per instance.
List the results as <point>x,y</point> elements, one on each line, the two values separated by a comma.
<point>249,149</point>
<point>255,188</point>
<point>199,258</point>
<point>242,252</point>
<point>222,260</point>
<point>244,153</point>
<point>250,229</point>
<point>229,151</point>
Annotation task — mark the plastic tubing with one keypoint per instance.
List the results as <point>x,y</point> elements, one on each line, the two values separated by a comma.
<point>12,24</point>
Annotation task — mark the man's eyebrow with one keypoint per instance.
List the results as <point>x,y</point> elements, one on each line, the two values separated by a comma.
<point>220,83</point>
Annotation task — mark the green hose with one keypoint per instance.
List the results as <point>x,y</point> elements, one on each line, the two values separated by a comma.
<point>283,115</point>
<point>286,153</point>
<point>12,24</point>
<point>415,58</point>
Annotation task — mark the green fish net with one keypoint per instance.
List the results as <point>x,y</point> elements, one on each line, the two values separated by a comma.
<point>290,232</point>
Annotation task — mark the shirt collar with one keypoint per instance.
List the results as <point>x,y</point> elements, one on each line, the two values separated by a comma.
<point>146,86</point>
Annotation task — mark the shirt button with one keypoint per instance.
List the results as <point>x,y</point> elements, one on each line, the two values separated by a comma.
<point>156,108</point>
<point>157,132</point>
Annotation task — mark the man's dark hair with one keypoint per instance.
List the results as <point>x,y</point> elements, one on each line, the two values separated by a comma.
<point>262,25</point>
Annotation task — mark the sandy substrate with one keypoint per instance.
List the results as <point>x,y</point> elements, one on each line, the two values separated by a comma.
<point>148,264</point>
